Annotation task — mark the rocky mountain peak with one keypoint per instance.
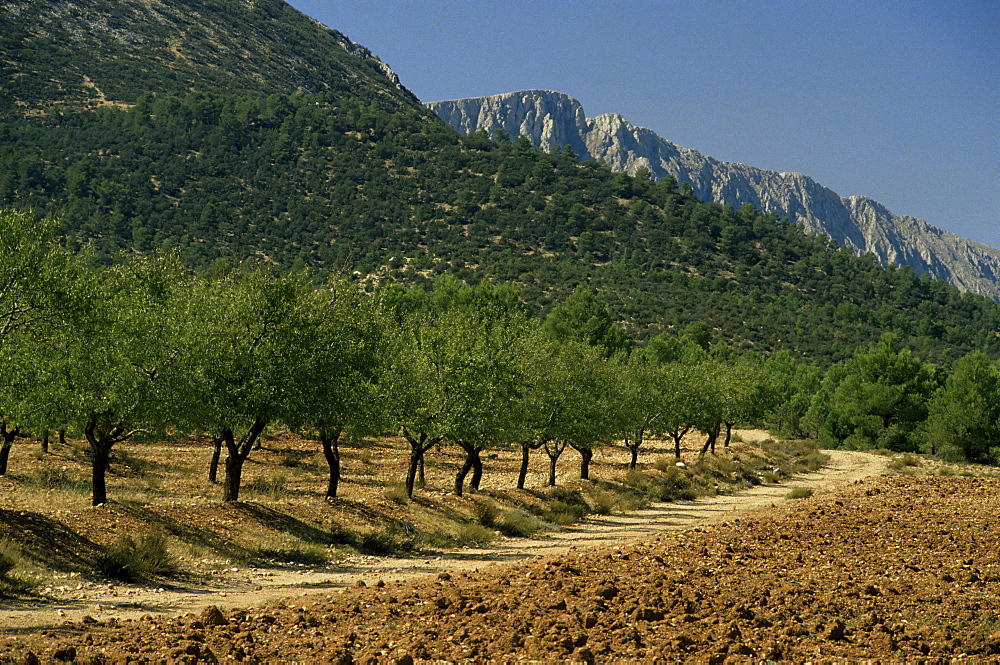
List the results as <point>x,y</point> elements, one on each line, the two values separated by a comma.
<point>551,119</point>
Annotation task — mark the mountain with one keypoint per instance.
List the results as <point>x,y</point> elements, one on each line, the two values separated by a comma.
<point>195,129</point>
<point>549,119</point>
<point>57,53</point>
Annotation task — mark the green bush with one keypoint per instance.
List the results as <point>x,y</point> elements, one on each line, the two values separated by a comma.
<point>518,524</point>
<point>7,558</point>
<point>563,513</point>
<point>665,463</point>
<point>486,513</point>
<point>13,569</point>
<point>772,476</point>
<point>475,535</point>
<point>602,503</point>
<point>385,542</point>
<point>131,560</point>
<point>906,461</point>
<point>308,554</point>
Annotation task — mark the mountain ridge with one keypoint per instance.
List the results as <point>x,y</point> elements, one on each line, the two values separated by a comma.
<point>550,119</point>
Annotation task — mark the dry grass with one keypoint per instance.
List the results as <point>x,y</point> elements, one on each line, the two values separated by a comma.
<point>283,518</point>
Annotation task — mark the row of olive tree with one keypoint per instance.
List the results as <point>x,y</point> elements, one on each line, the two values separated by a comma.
<point>145,347</point>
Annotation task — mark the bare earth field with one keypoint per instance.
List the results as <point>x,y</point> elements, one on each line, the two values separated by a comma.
<point>869,567</point>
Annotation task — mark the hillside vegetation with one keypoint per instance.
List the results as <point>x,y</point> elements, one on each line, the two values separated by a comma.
<point>316,181</point>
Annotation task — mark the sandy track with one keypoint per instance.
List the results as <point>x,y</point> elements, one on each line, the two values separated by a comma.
<point>250,587</point>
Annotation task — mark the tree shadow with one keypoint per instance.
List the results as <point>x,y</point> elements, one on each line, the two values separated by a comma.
<point>49,542</point>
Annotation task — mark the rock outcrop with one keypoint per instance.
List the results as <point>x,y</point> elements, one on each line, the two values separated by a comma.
<point>551,119</point>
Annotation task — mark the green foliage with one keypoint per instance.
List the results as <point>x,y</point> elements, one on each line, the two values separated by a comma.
<point>583,319</point>
<point>672,485</point>
<point>397,494</point>
<point>7,558</point>
<point>905,462</point>
<point>518,524</point>
<point>564,506</point>
<point>475,535</point>
<point>963,422</point>
<point>50,478</point>
<point>800,493</point>
<point>563,513</point>
<point>876,399</point>
<point>323,182</point>
<point>273,486</point>
<point>16,572</point>
<point>309,554</point>
<point>385,542</point>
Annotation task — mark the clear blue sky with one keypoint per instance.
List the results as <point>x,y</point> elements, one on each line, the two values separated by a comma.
<point>898,100</point>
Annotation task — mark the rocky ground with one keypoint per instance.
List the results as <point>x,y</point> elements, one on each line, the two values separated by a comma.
<point>887,568</point>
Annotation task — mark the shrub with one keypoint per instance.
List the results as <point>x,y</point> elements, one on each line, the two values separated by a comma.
<point>518,524</point>
<point>7,557</point>
<point>772,476</point>
<point>439,539</point>
<point>602,503</point>
<point>131,559</point>
<point>296,459</point>
<point>906,461</point>
<point>475,535</point>
<point>15,575</point>
<point>665,463</point>
<point>385,542</point>
<point>564,506</point>
<point>563,513</point>
<point>800,493</point>
<point>305,553</point>
<point>486,513</point>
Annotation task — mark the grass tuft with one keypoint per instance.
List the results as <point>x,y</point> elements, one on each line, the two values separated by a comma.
<point>519,524</point>
<point>131,560</point>
<point>905,462</point>
<point>385,542</point>
<point>15,571</point>
<point>475,535</point>
<point>397,494</point>
<point>274,486</point>
<point>800,493</point>
<point>56,479</point>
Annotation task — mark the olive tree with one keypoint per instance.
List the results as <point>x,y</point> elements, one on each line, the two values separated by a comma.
<point>113,369</point>
<point>455,376</point>
<point>242,362</point>
<point>339,346</point>
<point>36,279</point>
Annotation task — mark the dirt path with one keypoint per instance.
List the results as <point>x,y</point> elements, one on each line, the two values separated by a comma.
<point>238,587</point>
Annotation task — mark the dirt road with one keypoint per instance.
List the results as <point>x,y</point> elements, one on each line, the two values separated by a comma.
<point>238,587</point>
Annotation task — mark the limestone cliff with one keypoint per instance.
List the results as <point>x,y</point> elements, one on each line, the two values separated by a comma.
<point>553,119</point>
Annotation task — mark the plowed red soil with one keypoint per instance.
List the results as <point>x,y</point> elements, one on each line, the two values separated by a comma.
<point>886,569</point>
